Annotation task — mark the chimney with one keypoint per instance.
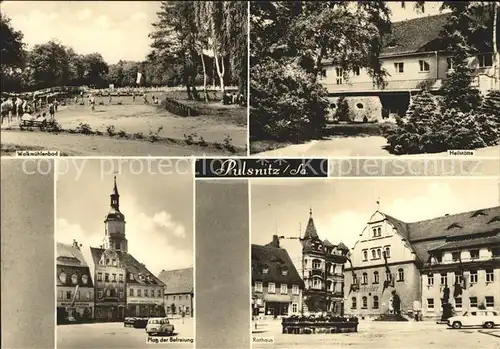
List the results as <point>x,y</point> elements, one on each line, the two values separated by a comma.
<point>275,242</point>
<point>75,244</point>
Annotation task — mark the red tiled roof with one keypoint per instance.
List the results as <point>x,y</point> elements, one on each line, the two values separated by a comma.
<point>178,281</point>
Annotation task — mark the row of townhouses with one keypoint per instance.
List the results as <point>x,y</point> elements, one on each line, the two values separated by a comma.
<point>415,58</point>
<point>107,283</point>
<point>453,259</point>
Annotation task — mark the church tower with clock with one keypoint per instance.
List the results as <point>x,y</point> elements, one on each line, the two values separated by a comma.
<point>114,222</point>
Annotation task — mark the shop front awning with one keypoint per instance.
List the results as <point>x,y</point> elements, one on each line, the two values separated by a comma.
<point>277,298</point>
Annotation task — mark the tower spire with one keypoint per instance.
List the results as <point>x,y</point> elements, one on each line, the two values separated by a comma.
<point>115,197</point>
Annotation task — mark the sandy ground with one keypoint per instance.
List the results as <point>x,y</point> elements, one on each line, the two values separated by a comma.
<point>353,146</point>
<point>81,145</point>
<point>386,335</point>
<point>115,335</point>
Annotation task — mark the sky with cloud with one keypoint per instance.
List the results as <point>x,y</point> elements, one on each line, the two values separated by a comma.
<point>341,207</point>
<point>158,208</point>
<point>116,29</point>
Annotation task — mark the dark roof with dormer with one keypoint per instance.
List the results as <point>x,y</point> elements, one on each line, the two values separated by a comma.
<point>70,260</point>
<point>450,231</point>
<point>132,265</point>
<point>311,232</point>
<point>275,260</point>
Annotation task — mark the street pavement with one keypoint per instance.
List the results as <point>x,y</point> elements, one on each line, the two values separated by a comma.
<point>115,335</point>
<point>386,335</point>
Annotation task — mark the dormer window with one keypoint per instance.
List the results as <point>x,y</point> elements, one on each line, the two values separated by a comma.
<point>454,225</point>
<point>63,277</point>
<point>377,232</point>
<point>85,279</point>
<point>74,279</point>
<point>478,213</point>
<point>131,277</point>
<point>265,269</point>
<point>284,272</point>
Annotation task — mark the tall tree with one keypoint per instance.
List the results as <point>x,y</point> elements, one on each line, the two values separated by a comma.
<point>12,50</point>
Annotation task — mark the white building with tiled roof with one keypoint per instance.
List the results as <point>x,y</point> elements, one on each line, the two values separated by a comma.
<point>179,291</point>
<point>455,254</point>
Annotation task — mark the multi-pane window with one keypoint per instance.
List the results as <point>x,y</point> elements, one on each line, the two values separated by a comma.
<point>375,277</point>
<point>258,286</point>
<point>490,301</point>
<point>458,302</point>
<point>430,279</point>
<point>295,289</point>
<point>401,274</point>
<point>340,76</point>
<point>473,276</point>
<point>399,67</point>
<point>458,278</point>
<point>353,303</point>
<point>375,302</point>
<point>365,278</point>
<point>387,251</point>
<point>485,60</point>
<point>271,287</point>
<point>316,264</point>
<point>284,289</point>
<point>424,65</point>
<point>377,232</point>
<point>490,276</point>
<point>444,279</point>
<point>430,303</point>
<point>474,254</point>
<point>473,302</point>
<point>388,276</point>
<point>99,276</point>
<point>365,302</point>
<point>131,292</point>
<point>295,307</point>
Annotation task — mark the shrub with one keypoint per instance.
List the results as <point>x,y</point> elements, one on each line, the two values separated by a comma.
<point>84,128</point>
<point>287,103</point>
<point>110,129</point>
<point>343,113</point>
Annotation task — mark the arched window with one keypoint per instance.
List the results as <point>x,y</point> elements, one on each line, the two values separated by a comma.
<point>401,274</point>
<point>379,231</point>
<point>365,255</point>
<point>316,264</point>
<point>375,277</point>
<point>375,302</point>
<point>365,302</point>
<point>353,303</point>
<point>365,278</point>
<point>374,254</point>
<point>379,253</point>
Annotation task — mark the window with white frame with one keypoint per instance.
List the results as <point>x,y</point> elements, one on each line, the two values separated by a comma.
<point>430,303</point>
<point>365,255</point>
<point>375,277</point>
<point>424,65</point>
<point>444,279</point>
<point>284,289</point>
<point>377,232</point>
<point>490,276</point>
<point>258,286</point>
<point>399,67</point>
<point>379,253</point>
<point>473,302</point>
<point>388,276</point>
<point>316,264</point>
<point>131,292</point>
<point>449,63</point>
<point>485,60</point>
<point>295,289</point>
<point>365,278</point>
<point>387,251</point>
<point>374,254</point>
<point>316,284</point>
<point>295,308</point>
<point>458,302</point>
<point>473,276</point>
<point>401,274</point>
<point>458,279</point>
<point>353,303</point>
<point>490,301</point>
<point>340,76</point>
<point>430,279</point>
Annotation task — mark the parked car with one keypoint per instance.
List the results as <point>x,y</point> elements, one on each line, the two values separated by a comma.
<point>136,322</point>
<point>484,318</point>
<point>159,326</point>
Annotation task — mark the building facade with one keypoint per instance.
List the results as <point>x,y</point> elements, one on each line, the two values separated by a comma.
<point>414,59</point>
<point>323,273</point>
<point>74,284</point>
<point>179,291</point>
<point>276,284</point>
<point>423,262</point>
<point>466,261</point>
<point>123,285</point>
